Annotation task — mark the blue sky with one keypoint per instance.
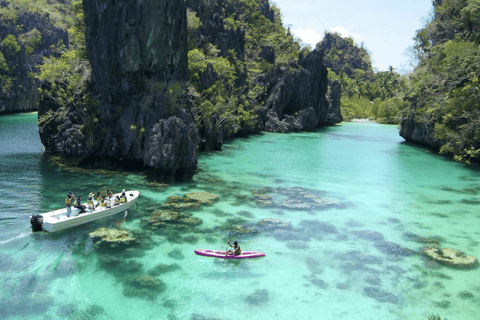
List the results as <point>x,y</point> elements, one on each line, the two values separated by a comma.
<point>386,27</point>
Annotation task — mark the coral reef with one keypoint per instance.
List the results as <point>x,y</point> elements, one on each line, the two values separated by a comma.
<point>451,258</point>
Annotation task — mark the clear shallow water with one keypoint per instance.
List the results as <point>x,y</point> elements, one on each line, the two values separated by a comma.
<point>348,260</point>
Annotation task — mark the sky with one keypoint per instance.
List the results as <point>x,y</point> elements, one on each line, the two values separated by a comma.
<point>386,27</point>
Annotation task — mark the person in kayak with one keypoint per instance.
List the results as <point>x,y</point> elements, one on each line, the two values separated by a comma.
<point>236,249</point>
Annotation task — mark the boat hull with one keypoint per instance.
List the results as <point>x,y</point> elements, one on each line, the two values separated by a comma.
<point>57,220</point>
<point>221,254</point>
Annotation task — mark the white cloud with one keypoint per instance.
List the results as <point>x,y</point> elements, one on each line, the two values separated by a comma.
<point>344,33</point>
<point>309,36</point>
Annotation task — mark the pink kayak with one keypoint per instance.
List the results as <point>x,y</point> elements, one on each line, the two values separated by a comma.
<point>221,254</point>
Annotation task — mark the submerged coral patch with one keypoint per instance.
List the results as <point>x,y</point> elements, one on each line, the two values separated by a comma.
<point>144,286</point>
<point>451,257</point>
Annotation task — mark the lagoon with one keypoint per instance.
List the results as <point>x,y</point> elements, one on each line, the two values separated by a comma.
<point>357,204</point>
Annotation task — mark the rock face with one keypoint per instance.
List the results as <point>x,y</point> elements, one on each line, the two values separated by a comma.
<point>138,54</point>
<point>38,35</point>
<point>297,99</point>
<point>417,131</point>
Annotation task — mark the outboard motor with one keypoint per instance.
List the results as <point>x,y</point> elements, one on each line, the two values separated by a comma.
<point>37,222</point>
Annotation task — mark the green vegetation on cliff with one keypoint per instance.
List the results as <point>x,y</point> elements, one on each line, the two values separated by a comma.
<point>365,93</point>
<point>445,86</point>
<point>224,82</point>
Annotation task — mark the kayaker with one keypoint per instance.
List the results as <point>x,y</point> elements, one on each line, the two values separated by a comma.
<point>123,197</point>
<point>69,201</point>
<point>236,249</point>
<point>79,205</point>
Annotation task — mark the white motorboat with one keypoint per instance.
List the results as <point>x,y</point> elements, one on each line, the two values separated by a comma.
<point>57,220</point>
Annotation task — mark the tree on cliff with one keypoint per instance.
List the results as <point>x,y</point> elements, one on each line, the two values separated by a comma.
<point>365,93</point>
<point>445,86</point>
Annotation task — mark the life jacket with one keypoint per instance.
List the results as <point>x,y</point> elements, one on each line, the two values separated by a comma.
<point>78,203</point>
<point>90,201</point>
<point>123,198</point>
<point>103,204</point>
<point>99,198</point>
<point>68,201</point>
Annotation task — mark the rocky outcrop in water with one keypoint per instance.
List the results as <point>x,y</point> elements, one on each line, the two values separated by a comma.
<point>297,99</point>
<point>413,130</point>
<point>33,34</point>
<point>138,55</point>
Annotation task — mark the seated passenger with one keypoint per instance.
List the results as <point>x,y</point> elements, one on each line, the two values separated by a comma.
<point>103,203</point>
<point>79,205</point>
<point>123,197</point>
<point>90,201</point>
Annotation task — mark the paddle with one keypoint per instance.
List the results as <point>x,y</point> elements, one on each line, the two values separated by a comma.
<point>226,250</point>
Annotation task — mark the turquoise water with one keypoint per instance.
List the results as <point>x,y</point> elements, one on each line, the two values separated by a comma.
<point>351,255</point>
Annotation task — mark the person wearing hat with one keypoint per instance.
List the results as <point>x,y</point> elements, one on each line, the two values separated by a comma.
<point>79,205</point>
<point>123,197</point>
<point>90,201</point>
<point>69,201</point>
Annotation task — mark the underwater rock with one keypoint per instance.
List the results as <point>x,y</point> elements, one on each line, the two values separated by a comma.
<point>176,254</point>
<point>201,197</point>
<point>245,214</point>
<point>393,249</point>
<point>155,184</point>
<point>319,283</point>
<point>358,256</point>
<point>343,286</point>
<point>270,224</point>
<point>297,245</point>
<point>169,216</point>
<point>317,227</point>
<point>465,295</point>
<point>190,239</point>
<point>451,258</point>
<point>314,266</point>
<point>145,286</point>
<point>444,304</point>
<point>182,205</point>
<point>112,236</point>
<point>414,237</point>
<point>289,235</point>
<point>380,295</point>
<point>369,235</point>
<point>163,268</point>
<point>243,230</point>
<point>259,297</point>
<point>373,280</point>
<point>71,311</point>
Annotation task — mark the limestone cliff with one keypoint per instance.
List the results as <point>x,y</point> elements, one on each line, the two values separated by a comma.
<point>138,55</point>
<point>297,99</point>
<point>25,41</point>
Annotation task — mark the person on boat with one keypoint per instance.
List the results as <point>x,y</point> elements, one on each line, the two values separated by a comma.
<point>236,249</point>
<point>79,205</point>
<point>103,203</point>
<point>109,198</point>
<point>123,197</point>
<point>69,201</point>
<point>90,201</point>
<point>116,200</point>
<point>99,196</point>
